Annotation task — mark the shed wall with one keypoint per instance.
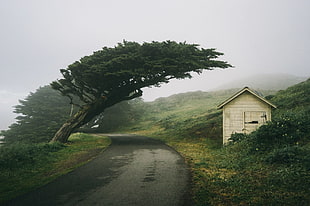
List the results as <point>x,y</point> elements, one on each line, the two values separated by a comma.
<point>244,114</point>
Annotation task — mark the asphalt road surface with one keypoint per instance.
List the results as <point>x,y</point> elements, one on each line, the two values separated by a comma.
<point>134,170</point>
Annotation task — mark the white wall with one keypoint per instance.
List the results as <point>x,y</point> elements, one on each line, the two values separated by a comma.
<point>235,111</point>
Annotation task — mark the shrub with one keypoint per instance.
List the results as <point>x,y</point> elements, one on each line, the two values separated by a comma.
<point>284,155</point>
<point>237,137</point>
<point>288,129</point>
<point>21,154</point>
<point>290,155</point>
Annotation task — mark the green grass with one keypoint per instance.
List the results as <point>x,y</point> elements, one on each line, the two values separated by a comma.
<point>271,169</point>
<point>226,176</point>
<point>43,163</point>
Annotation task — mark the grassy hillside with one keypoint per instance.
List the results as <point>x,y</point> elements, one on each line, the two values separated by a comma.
<point>268,167</point>
<point>295,97</point>
<point>192,114</point>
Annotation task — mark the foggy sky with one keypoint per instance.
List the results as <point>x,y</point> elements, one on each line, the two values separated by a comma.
<point>39,37</point>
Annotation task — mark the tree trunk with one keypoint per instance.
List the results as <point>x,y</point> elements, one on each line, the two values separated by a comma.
<point>88,112</point>
<point>68,127</point>
<point>79,119</point>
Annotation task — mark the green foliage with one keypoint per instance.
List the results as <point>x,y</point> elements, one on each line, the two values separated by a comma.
<point>237,137</point>
<point>25,167</point>
<point>290,125</point>
<point>39,117</point>
<point>122,71</point>
<point>20,154</point>
<point>289,155</point>
<point>291,128</point>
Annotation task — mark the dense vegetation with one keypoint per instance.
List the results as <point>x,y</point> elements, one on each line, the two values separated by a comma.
<point>268,167</point>
<point>39,117</point>
<point>42,113</point>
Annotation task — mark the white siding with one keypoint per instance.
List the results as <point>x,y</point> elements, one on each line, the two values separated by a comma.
<point>244,114</point>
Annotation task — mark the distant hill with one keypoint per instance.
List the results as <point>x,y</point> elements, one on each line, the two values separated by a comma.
<point>264,82</point>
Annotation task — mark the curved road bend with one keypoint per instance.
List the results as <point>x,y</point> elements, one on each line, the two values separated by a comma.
<point>134,170</point>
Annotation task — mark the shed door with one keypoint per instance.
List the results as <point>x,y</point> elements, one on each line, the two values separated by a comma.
<point>254,119</point>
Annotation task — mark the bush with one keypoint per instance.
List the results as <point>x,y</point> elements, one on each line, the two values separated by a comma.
<point>288,129</point>
<point>290,155</point>
<point>237,137</point>
<point>21,154</point>
<point>284,155</point>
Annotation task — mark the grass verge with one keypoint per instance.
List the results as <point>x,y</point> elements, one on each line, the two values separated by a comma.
<point>39,164</point>
<point>225,176</point>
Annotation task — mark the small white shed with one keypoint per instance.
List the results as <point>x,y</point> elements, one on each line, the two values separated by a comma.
<point>244,112</point>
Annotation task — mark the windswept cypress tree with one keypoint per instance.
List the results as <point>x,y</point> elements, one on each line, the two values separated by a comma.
<point>112,75</point>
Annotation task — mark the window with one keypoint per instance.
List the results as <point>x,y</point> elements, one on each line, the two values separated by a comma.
<point>255,117</point>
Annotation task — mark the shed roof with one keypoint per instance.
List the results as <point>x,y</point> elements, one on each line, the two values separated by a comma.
<point>245,89</point>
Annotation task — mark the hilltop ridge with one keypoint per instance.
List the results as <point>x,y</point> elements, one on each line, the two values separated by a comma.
<point>273,81</point>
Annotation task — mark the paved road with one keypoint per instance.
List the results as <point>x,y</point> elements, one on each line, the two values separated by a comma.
<point>134,170</point>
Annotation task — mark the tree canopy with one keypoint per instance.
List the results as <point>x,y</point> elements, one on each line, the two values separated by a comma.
<point>128,67</point>
<point>111,75</point>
